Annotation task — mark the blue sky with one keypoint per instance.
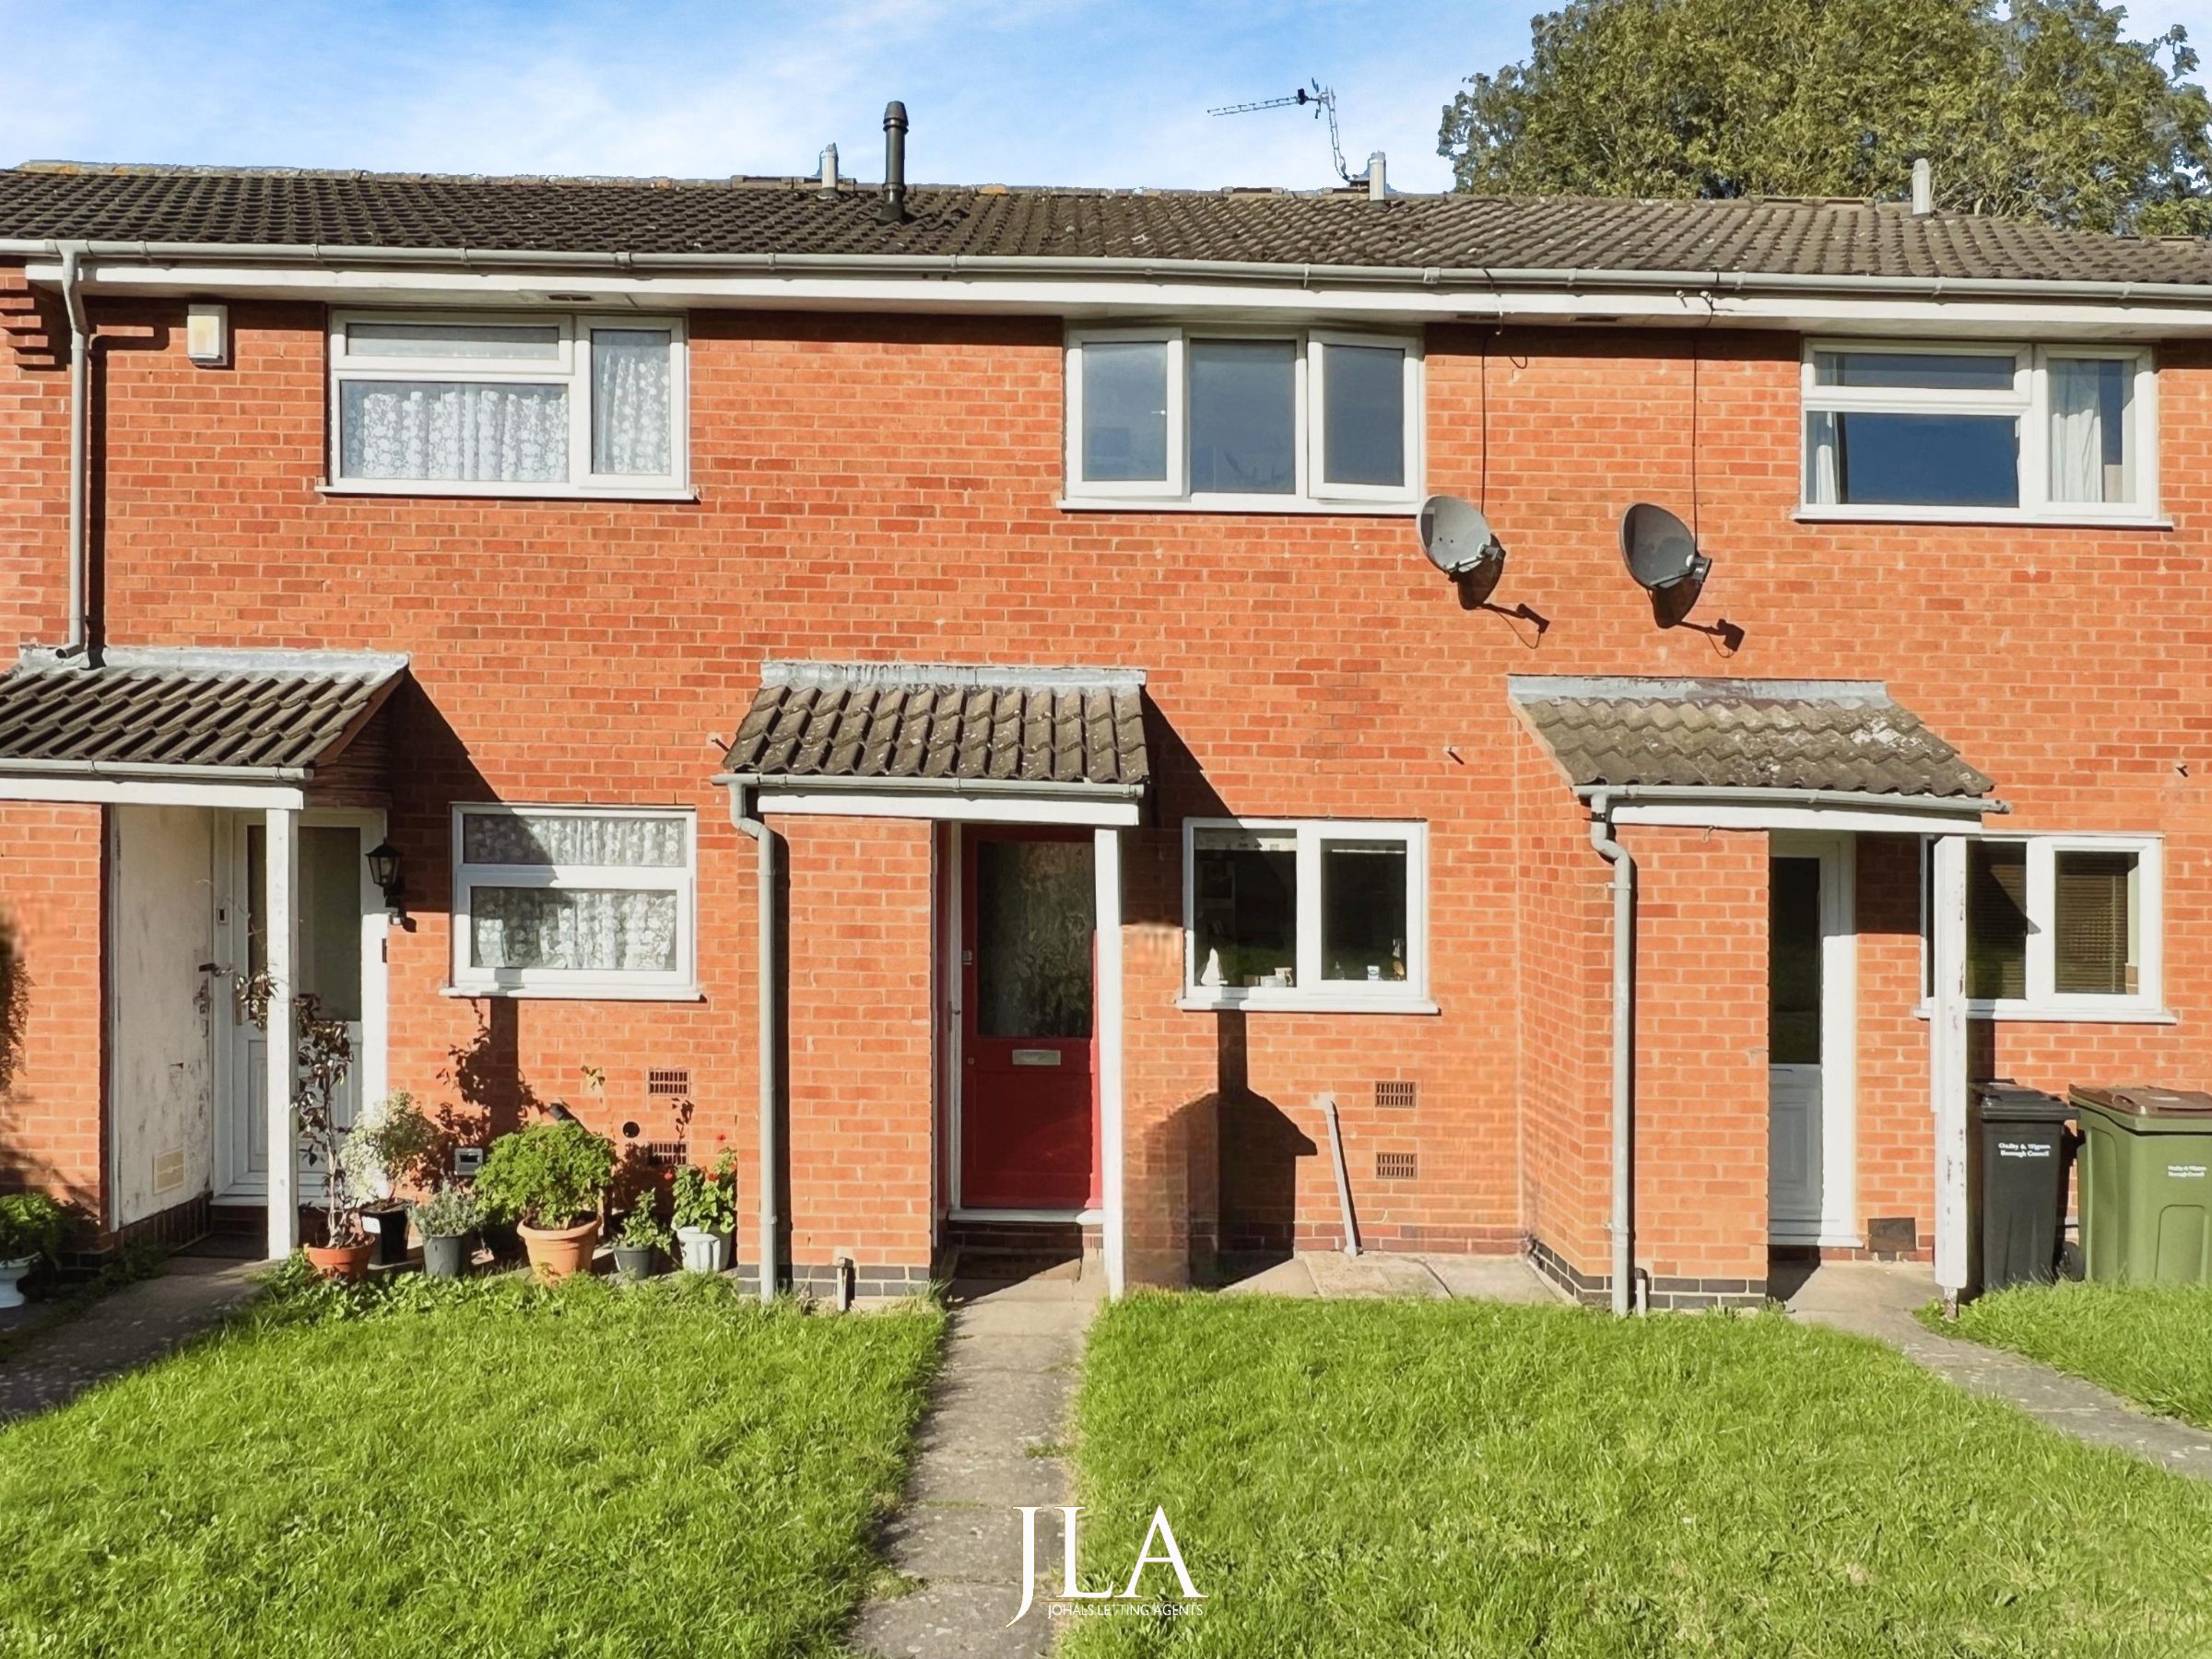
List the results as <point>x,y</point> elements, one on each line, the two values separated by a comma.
<point>1013,91</point>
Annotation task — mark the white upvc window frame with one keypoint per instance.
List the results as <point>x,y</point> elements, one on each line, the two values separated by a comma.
<point>2146,1003</point>
<point>1311,491</point>
<point>2029,402</point>
<point>1312,993</point>
<point>571,368</point>
<point>678,984</point>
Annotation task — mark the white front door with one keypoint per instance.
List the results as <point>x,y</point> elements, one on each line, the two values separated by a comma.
<point>1810,1036</point>
<point>340,960</point>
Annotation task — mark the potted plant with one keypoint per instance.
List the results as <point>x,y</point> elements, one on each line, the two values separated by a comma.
<point>445,1220</point>
<point>324,1056</point>
<point>392,1142</point>
<point>706,1213</point>
<point>639,1245</point>
<point>550,1179</point>
<point>32,1228</point>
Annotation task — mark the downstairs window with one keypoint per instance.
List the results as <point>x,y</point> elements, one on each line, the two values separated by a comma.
<point>2060,926</point>
<point>576,900</point>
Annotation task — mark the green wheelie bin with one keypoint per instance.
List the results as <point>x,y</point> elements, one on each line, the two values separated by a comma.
<point>2146,1186</point>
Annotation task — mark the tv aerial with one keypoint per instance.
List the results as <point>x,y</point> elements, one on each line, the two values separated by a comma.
<point>1661,552</point>
<point>1459,542</point>
<point>1323,99</point>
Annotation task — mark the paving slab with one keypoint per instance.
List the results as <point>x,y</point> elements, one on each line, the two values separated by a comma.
<point>994,1442</point>
<point>1492,1278</point>
<point>1878,1299</point>
<point>1369,1276</point>
<point>132,1328</point>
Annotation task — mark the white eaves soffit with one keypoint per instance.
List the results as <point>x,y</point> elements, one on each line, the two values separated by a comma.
<point>1084,289</point>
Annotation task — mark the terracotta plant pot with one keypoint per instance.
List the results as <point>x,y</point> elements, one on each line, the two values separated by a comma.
<point>348,1262</point>
<point>556,1252</point>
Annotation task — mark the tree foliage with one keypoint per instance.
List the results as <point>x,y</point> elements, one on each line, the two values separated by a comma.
<point>2042,108</point>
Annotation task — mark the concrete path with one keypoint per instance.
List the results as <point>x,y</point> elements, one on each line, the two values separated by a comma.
<point>1877,1300</point>
<point>1372,1275</point>
<point>994,1441</point>
<point>121,1332</point>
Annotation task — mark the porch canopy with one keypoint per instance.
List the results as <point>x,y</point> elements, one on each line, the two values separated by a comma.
<point>944,741</point>
<point>1752,754</point>
<point>247,729</point>
<point>1825,755</point>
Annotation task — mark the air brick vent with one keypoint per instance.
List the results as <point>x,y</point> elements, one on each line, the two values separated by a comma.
<point>1398,1094</point>
<point>667,1155</point>
<point>667,1080</point>
<point>1396,1166</point>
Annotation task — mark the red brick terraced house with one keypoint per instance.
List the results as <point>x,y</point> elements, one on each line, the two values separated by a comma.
<point>939,691</point>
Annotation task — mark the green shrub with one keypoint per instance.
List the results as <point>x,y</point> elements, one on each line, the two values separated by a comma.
<point>32,1224</point>
<point>708,1202</point>
<point>643,1230</point>
<point>549,1176</point>
<point>452,1212</point>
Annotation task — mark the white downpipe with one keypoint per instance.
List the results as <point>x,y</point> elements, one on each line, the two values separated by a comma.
<point>282,961</point>
<point>764,841</point>
<point>1624,1041</point>
<point>1106,874</point>
<point>80,417</point>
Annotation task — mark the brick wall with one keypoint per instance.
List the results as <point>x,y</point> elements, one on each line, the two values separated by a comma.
<point>52,1034</point>
<point>885,488</point>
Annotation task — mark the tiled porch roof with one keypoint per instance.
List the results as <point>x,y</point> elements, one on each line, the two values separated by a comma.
<point>264,714</point>
<point>937,725</point>
<point>1844,735</point>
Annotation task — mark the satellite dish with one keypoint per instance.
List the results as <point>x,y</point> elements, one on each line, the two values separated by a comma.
<point>1660,550</point>
<point>1460,542</point>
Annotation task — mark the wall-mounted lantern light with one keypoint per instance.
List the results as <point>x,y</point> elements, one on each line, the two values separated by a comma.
<point>383,870</point>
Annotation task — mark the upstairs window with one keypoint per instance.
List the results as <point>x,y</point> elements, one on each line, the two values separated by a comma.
<point>1974,431</point>
<point>1242,421</point>
<point>531,404</point>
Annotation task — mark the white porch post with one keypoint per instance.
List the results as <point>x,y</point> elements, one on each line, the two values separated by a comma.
<point>281,919</point>
<point>1106,869</point>
<point>1947,1064</point>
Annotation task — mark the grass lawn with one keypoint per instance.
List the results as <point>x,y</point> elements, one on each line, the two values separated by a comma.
<point>504,1470</point>
<point>1370,1478</point>
<point>2152,1343</point>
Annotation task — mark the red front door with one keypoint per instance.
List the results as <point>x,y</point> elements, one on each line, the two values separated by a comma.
<point>1028,1139</point>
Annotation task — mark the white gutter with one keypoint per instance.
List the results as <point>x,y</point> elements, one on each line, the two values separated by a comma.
<point>1486,277</point>
<point>80,352</point>
<point>164,772</point>
<point>1715,794</point>
<point>816,782</point>
<point>764,863</point>
<point>1624,1042</point>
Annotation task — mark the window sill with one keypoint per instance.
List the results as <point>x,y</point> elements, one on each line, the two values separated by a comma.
<point>2063,1014</point>
<point>667,994</point>
<point>1981,515</point>
<point>1295,1002</point>
<point>411,490</point>
<point>1245,505</point>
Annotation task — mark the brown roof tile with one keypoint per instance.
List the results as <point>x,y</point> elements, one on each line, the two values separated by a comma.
<point>276,712</point>
<point>1828,735</point>
<point>924,724</point>
<point>755,216</point>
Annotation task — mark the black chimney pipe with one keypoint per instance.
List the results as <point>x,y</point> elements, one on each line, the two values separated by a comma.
<point>893,209</point>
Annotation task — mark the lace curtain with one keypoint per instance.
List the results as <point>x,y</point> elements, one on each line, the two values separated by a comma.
<point>435,429</point>
<point>629,401</point>
<point>583,929</point>
<point>546,837</point>
<point>2080,395</point>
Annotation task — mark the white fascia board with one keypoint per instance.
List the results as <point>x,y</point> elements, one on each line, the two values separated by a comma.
<point>1080,296</point>
<point>128,792</point>
<point>1073,810</point>
<point>1846,820</point>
